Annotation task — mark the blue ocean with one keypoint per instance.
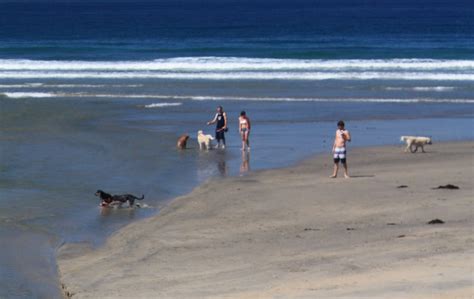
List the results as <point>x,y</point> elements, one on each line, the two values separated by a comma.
<point>94,94</point>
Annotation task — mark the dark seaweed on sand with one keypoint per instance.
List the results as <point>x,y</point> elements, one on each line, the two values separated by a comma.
<point>448,186</point>
<point>436,221</point>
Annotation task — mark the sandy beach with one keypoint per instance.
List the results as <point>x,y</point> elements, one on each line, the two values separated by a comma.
<point>295,233</point>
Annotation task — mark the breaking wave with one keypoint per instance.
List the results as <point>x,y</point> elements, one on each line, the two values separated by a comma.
<point>160,105</point>
<point>232,68</point>
<point>233,98</point>
<point>18,95</point>
<point>424,88</point>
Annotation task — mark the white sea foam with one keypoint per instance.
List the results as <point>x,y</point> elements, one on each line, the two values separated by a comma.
<point>235,64</point>
<point>237,98</point>
<point>353,100</point>
<point>18,95</point>
<point>423,88</point>
<point>24,85</point>
<point>91,85</point>
<point>309,76</point>
<point>434,88</point>
<point>35,85</point>
<point>231,68</point>
<point>161,105</point>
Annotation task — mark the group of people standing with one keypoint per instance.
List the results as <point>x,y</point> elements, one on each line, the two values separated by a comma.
<point>338,150</point>
<point>220,119</point>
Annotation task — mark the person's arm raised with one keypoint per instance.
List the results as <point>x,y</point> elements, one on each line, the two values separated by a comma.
<point>348,136</point>
<point>212,121</point>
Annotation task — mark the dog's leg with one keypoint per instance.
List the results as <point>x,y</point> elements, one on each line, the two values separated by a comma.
<point>408,147</point>
<point>422,148</point>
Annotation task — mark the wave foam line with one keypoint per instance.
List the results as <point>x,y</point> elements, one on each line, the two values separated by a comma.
<point>256,99</point>
<point>309,76</point>
<point>434,88</point>
<point>235,63</point>
<point>24,85</point>
<point>161,105</point>
<point>324,100</point>
<point>424,88</point>
<point>91,85</point>
<point>19,95</point>
<point>35,85</point>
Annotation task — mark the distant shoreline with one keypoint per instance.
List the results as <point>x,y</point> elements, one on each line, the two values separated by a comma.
<point>294,232</point>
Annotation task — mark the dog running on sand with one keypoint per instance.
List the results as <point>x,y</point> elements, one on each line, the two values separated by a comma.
<point>414,142</point>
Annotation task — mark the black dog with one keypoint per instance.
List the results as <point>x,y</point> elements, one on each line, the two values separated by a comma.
<point>108,199</point>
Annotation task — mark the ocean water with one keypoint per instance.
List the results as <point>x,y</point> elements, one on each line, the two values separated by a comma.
<point>94,94</point>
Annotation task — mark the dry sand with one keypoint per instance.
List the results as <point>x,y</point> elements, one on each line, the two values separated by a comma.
<point>295,233</point>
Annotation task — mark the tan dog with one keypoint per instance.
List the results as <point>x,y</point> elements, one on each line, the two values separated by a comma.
<point>414,142</point>
<point>182,141</point>
<point>205,141</point>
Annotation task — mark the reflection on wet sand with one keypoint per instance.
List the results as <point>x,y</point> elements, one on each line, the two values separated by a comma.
<point>245,166</point>
<point>106,212</point>
<point>212,163</point>
<point>222,163</point>
<point>222,167</point>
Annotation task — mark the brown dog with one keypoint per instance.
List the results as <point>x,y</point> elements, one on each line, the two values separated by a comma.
<point>182,141</point>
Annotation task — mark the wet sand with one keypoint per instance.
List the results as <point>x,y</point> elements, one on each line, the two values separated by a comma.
<point>295,233</point>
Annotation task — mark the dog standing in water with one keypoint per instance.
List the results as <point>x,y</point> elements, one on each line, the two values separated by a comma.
<point>182,141</point>
<point>205,141</point>
<point>108,199</point>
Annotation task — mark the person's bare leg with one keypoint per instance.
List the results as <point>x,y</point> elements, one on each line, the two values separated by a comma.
<point>248,142</point>
<point>346,174</point>
<point>336,168</point>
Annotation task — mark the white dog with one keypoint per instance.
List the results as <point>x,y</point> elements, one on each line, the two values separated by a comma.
<point>414,142</point>
<point>205,141</point>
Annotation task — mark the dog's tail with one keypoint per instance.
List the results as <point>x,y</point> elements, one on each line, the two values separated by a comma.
<point>135,197</point>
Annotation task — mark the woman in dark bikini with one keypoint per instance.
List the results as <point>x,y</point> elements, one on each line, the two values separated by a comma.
<point>244,130</point>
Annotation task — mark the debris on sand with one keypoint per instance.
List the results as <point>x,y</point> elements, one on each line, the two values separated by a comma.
<point>401,236</point>
<point>311,229</point>
<point>391,223</point>
<point>350,228</point>
<point>436,221</point>
<point>402,186</point>
<point>448,186</point>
